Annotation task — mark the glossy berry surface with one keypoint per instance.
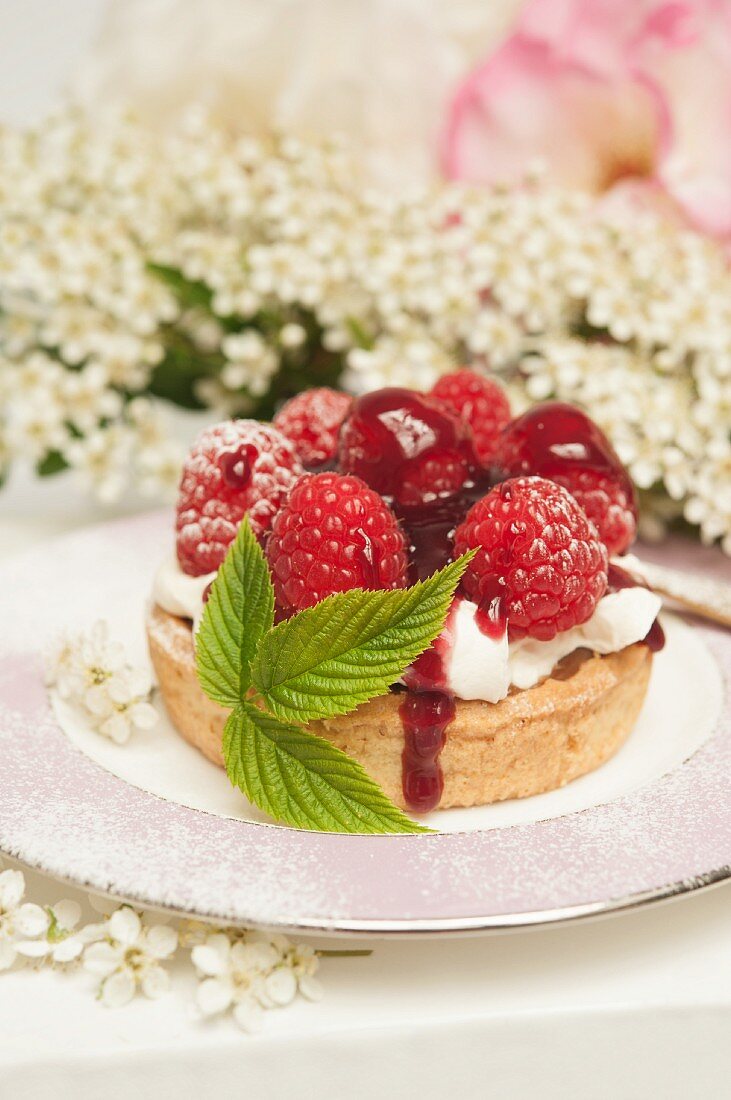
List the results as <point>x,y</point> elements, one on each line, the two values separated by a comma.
<point>560,442</point>
<point>609,504</point>
<point>540,567</point>
<point>481,402</point>
<point>311,421</point>
<point>234,467</point>
<point>406,446</point>
<point>333,534</point>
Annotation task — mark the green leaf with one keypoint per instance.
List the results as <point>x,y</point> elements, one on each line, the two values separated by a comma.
<point>303,780</point>
<point>350,647</point>
<point>52,463</point>
<point>239,612</point>
<point>174,379</point>
<point>191,293</point>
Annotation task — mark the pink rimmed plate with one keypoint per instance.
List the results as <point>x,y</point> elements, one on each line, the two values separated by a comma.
<point>154,823</point>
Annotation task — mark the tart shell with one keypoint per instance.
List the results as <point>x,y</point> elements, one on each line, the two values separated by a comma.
<point>533,741</point>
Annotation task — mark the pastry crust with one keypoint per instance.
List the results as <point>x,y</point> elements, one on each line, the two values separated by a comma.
<point>533,741</point>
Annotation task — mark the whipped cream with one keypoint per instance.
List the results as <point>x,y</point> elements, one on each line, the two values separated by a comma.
<point>477,666</point>
<point>177,592</point>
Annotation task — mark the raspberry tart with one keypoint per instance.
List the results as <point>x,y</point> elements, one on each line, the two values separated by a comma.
<point>543,664</point>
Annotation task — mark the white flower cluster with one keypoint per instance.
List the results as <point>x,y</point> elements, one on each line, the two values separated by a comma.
<point>92,672</point>
<point>247,972</point>
<point>124,951</point>
<point>127,952</point>
<point>28,931</point>
<point>228,271</point>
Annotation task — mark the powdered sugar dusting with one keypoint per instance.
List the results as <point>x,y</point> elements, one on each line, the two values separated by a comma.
<point>65,814</point>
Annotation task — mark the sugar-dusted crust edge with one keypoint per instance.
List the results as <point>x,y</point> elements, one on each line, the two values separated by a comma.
<point>532,741</point>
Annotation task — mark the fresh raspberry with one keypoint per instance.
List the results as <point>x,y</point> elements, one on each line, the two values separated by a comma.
<point>235,467</point>
<point>407,446</point>
<point>441,473</point>
<point>560,442</point>
<point>311,421</point>
<point>481,402</point>
<point>333,534</point>
<point>539,564</point>
<point>610,506</point>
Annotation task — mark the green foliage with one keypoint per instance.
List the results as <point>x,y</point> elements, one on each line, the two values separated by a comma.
<point>322,662</point>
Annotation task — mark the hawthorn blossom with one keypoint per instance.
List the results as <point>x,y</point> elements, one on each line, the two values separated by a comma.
<point>222,269</point>
<point>20,921</point>
<point>247,972</point>
<point>92,672</point>
<point>128,955</point>
<point>59,943</point>
<point>127,951</point>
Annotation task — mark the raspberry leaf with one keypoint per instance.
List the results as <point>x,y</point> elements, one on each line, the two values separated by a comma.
<point>239,612</point>
<point>303,780</point>
<point>351,647</point>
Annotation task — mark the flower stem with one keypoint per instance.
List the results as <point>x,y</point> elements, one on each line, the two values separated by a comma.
<point>346,954</point>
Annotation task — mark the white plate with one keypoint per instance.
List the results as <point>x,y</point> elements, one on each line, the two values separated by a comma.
<point>153,821</point>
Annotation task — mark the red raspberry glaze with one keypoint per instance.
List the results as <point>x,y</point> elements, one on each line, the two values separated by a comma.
<point>481,402</point>
<point>539,564</point>
<point>406,446</point>
<point>234,467</point>
<point>333,534</point>
<point>311,421</point>
<point>560,442</point>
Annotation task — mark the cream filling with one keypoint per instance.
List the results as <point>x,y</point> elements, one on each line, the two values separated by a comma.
<point>177,592</point>
<point>477,666</point>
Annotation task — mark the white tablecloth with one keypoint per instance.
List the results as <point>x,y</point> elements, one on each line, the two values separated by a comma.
<point>633,1006</point>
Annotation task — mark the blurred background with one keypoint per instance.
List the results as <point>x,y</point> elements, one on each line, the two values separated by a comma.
<point>208,205</point>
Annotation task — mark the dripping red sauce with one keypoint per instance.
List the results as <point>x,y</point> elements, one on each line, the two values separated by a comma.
<point>618,578</point>
<point>491,617</point>
<point>426,711</point>
<point>430,527</point>
<point>425,716</point>
<point>428,707</point>
<point>429,671</point>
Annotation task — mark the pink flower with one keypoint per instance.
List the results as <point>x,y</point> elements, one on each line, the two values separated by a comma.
<point>634,93</point>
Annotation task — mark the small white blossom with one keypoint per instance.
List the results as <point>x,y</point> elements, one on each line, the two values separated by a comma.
<point>92,672</point>
<point>247,972</point>
<point>127,951</point>
<point>21,922</point>
<point>59,943</point>
<point>292,336</point>
<point>128,955</point>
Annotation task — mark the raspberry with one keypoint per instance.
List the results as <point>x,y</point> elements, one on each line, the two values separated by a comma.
<point>560,442</point>
<point>311,421</point>
<point>539,564</point>
<point>481,402</point>
<point>610,506</point>
<point>333,534</point>
<point>235,467</point>
<point>441,473</point>
<point>407,446</point>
